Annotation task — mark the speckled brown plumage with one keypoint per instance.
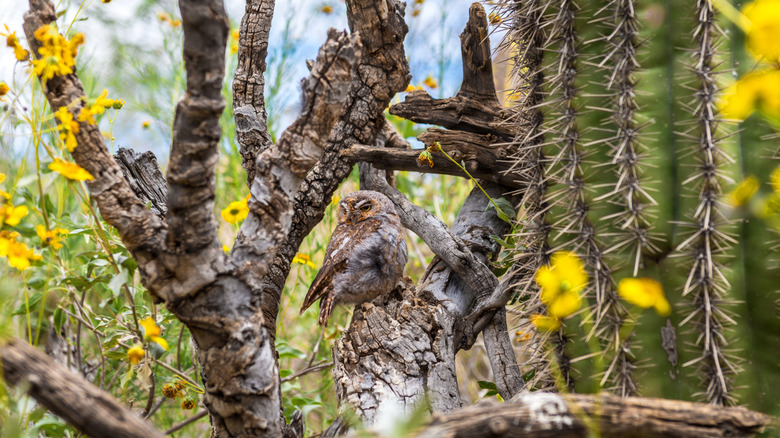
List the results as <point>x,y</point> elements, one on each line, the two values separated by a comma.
<point>365,257</point>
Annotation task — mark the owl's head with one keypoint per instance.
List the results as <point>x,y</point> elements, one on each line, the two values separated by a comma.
<point>363,204</point>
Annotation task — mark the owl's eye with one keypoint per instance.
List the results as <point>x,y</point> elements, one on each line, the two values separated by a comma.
<point>365,207</point>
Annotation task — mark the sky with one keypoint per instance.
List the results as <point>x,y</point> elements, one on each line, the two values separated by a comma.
<point>298,29</point>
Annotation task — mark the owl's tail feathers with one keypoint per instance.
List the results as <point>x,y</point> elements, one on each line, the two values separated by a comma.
<point>326,308</point>
<point>315,293</point>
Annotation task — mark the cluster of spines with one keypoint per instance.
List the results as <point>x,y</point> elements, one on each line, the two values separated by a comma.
<point>706,283</point>
<point>525,39</point>
<point>631,233</point>
<point>565,171</point>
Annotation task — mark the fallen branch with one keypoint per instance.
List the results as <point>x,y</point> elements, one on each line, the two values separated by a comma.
<point>88,408</point>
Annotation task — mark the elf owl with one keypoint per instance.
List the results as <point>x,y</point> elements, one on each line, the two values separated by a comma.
<point>365,257</point>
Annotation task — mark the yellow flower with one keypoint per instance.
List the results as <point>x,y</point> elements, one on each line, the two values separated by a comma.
<point>72,171</point>
<point>494,18</point>
<point>67,127</point>
<point>19,256</point>
<point>561,282</point>
<point>175,23</point>
<point>546,323</point>
<point>12,41</point>
<point>326,9</point>
<point>757,90</point>
<point>50,237</point>
<point>98,107</point>
<point>431,82</point>
<point>3,89</point>
<point>645,293</point>
<point>135,354</point>
<point>234,41</point>
<point>225,248</point>
<point>2,177</point>
<point>11,215</point>
<point>304,259</point>
<point>743,192</point>
<point>188,404</point>
<point>425,157</point>
<point>334,200</point>
<point>236,211</point>
<point>145,124</point>
<point>409,88</point>
<point>163,16</point>
<point>774,179</point>
<point>57,55</point>
<point>152,332</point>
<point>150,328</point>
<point>764,31</point>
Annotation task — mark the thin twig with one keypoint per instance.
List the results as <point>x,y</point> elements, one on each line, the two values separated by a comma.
<point>156,406</point>
<point>308,370</point>
<point>150,399</point>
<point>178,348</point>
<point>186,422</point>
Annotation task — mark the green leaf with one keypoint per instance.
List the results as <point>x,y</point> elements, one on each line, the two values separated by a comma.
<point>500,241</point>
<point>59,319</point>
<point>505,211</point>
<point>33,301</point>
<point>115,354</point>
<point>127,377</point>
<point>115,285</point>
<point>286,351</point>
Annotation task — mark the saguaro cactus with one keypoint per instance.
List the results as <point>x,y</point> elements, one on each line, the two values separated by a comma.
<point>612,90</point>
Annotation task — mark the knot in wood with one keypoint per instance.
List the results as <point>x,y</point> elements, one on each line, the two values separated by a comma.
<point>498,426</point>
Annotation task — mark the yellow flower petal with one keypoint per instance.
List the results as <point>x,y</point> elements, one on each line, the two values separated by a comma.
<point>645,293</point>
<point>11,215</point>
<point>764,32</point>
<point>545,323</point>
<point>150,328</point>
<point>565,305</point>
<point>71,171</point>
<point>135,354</point>
<point>160,341</point>
<point>743,192</point>
<point>235,212</point>
<point>774,179</point>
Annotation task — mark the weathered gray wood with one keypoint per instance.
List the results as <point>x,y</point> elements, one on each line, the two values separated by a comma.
<point>145,178</point>
<point>457,113</point>
<point>248,83</point>
<point>573,415</point>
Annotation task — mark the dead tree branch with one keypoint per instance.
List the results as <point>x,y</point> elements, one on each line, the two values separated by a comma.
<point>574,415</point>
<point>249,84</point>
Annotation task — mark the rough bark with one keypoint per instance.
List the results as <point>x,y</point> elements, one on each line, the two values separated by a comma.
<point>248,83</point>
<point>397,354</point>
<point>459,113</point>
<point>88,408</point>
<point>561,416</point>
<point>145,178</point>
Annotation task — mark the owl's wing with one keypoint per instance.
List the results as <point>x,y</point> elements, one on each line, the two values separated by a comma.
<point>333,264</point>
